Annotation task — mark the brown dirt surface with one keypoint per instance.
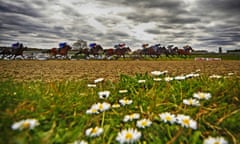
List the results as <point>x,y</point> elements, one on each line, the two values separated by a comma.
<point>109,70</point>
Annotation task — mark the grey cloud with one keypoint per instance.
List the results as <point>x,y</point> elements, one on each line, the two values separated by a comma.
<point>19,8</point>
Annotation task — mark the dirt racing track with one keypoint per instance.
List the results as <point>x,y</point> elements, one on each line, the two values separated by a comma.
<point>110,70</point>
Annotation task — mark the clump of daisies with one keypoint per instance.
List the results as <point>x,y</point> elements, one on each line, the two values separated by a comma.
<point>25,124</point>
<point>128,136</point>
<point>215,140</point>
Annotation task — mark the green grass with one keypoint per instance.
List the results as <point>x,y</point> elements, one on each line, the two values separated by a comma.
<point>60,107</point>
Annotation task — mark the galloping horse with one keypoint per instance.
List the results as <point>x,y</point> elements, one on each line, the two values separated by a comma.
<point>120,52</point>
<point>109,52</point>
<point>62,51</point>
<point>96,50</point>
<point>17,52</point>
<point>154,51</point>
<point>84,51</point>
<point>5,52</point>
<point>185,51</point>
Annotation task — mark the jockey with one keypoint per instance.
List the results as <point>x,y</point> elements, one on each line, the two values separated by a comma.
<point>116,46</point>
<point>16,46</point>
<point>92,45</point>
<point>122,45</point>
<point>156,46</point>
<point>145,45</point>
<point>62,45</point>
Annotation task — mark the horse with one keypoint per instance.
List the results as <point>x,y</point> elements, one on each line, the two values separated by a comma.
<point>96,50</point>
<point>17,52</point>
<point>185,51</point>
<point>62,51</point>
<point>120,52</point>
<point>84,51</point>
<point>109,52</point>
<point>5,52</point>
<point>154,51</point>
<point>171,51</point>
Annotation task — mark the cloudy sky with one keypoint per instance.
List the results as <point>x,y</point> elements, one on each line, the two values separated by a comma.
<point>203,24</point>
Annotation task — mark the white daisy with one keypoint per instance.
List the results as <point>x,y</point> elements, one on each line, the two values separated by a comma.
<point>98,107</point>
<point>125,101</point>
<point>103,94</point>
<point>186,121</point>
<point>167,117</point>
<point>80,142</point>
<point>215,140</point>
<point>115,105</point>
<point>167,79</point>
<point>157,73</point>
<point>94,132</point>
<point>191,75</point>
<point>92,110</point>
<point>215,76</point>
<point>25,124</point>
<point>91,85</point>
<point>180,78</point>
<point>128,136</point>
<point>192,102</point>
<point>103,106</point>
<point>131,117</point>
<point>98,80</point>
<point>141,81</point>
<point>143,123</point>
<point>123,91</point>
<point>157,79</point>
<point>202,95</point>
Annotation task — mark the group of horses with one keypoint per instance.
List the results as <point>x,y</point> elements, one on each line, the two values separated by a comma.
<point>152,51</point>
<point>12,53</point>
<point>158,50</point>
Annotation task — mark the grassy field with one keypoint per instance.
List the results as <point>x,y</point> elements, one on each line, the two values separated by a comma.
<point>71,111</point>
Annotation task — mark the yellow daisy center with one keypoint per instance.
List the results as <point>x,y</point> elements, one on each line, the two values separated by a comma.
<point>144,123</point>
<point>26,125</point>
<point>186,122</point>
<point>202,95</point>
<point>190,101</point>
<point>168,118</point>
<point>129,136</point>
<point>100,106</point>
<point>94,130</point>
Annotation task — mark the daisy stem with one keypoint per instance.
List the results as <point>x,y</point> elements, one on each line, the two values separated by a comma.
<point>169,133</point>
<point>103,118</point>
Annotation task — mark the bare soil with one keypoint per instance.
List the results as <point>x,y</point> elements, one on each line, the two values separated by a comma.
<point>110,70</point>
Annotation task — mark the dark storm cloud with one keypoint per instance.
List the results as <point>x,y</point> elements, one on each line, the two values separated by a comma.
<point>221,5</point>
<point>19,7</point>
<point>198,22</point>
